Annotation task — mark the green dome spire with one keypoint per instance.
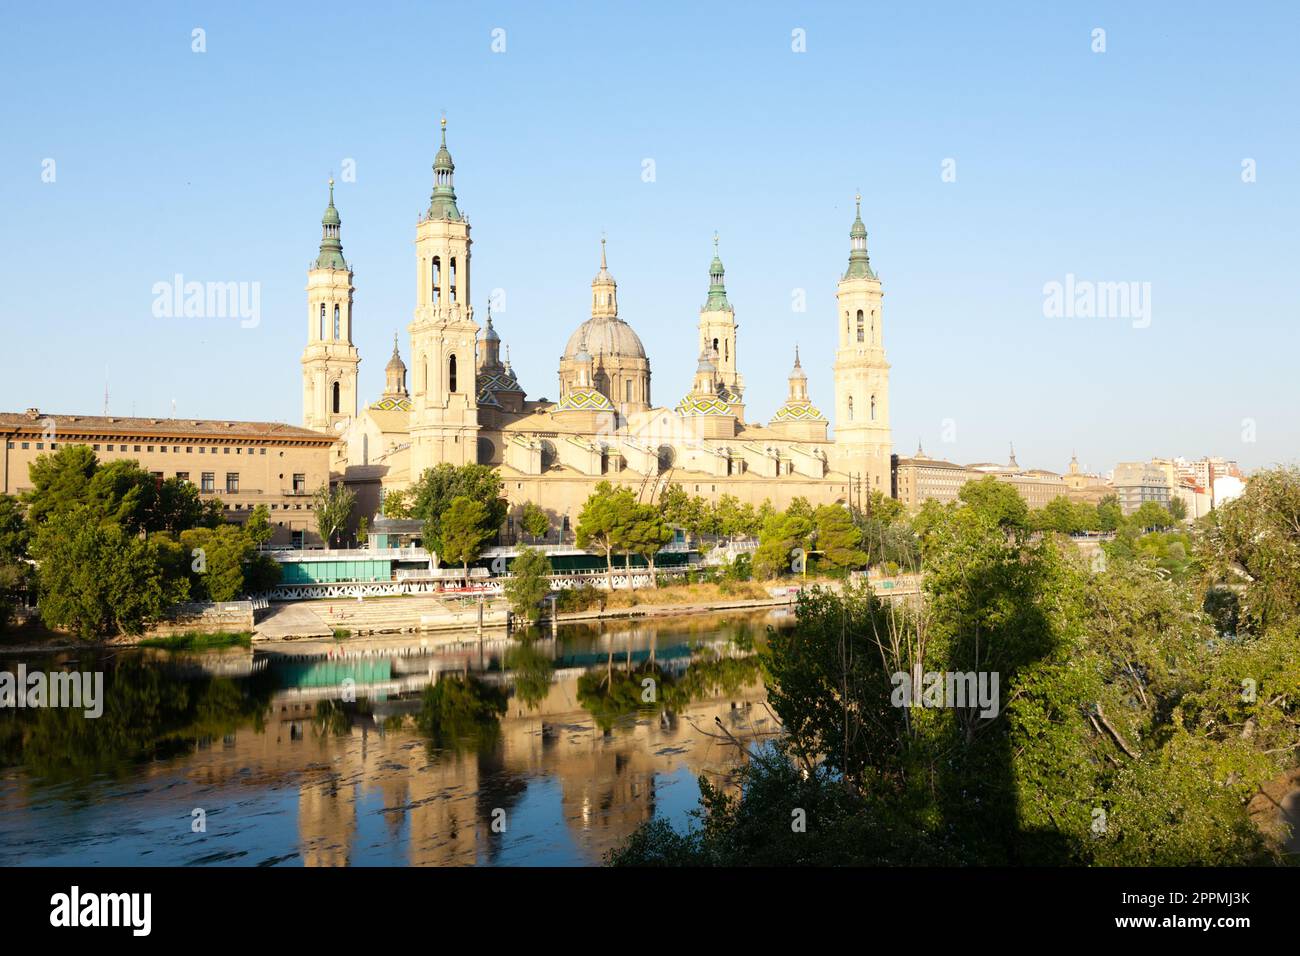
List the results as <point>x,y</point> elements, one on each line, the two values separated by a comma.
<point>442,203</point>
<point>717,301</point>
<point>331,246</point>
<point>859,263</point>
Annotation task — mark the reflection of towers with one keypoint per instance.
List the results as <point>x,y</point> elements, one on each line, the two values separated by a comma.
<point>327,820</point>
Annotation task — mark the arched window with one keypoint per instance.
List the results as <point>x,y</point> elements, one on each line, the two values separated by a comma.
<point>451,288</point>
<point>322,321</point>
<point>862,328</point>
<point>873,408</point>
<point>715,345</point>
<point>434,287</point>
<point>873,325</point>
<point>336,322</point>
<point>451,374</point>
<point>850,408</point>
<point>627,390</point>
<point>336,398</point>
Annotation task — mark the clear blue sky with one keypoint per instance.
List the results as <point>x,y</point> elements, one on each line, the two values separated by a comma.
<point>1120,166</point>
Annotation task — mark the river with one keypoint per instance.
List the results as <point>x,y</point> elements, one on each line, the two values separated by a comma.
<point>538,752</point>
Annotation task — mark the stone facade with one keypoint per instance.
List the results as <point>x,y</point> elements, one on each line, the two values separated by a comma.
<point>244,464</point>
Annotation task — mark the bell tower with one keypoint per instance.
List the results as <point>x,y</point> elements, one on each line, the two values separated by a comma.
<point>444,337</point>
<point>718,336</point>
<point>863,441</point>
<point>330,360</point>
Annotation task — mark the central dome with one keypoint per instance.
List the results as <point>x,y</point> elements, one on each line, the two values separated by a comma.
<point>605,336</point>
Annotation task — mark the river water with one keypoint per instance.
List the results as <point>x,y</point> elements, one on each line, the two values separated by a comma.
<point>548,751</point>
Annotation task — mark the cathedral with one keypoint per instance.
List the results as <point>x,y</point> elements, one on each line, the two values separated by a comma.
<point>464,403</point>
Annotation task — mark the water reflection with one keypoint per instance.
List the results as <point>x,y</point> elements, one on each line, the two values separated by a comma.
<point>385,752</point>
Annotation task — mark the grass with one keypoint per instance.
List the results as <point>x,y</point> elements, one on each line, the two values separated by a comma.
<point>199,641</point>
<point>342,633</point>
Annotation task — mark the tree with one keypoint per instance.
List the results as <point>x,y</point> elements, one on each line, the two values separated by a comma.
<point>998,501</point>
<point>464,531</point>
<point>646,535</point>
<point>397,504</point>
<point>258,526</point>
<point>1150,516</point>
<point>689,512</point>
<point>1109,514</point>
<point>1253,547</point>
<point>534,520</point>
<point>432,495</point>
<point>1177,508</point>
<point>781,534</point>
<point>333,507</point>
<point>838,537</point>
<point>602,520</point>
<point>219,561</point>
<point>60,481</point>
<point>15,572</point>
<point>529,583</point>
<point>97,579</point>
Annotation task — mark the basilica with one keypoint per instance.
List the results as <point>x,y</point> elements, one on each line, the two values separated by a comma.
<point>464,403</point>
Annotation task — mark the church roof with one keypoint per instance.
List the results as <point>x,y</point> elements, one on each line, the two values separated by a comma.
<point>606,336</point>
<point>585,400</point>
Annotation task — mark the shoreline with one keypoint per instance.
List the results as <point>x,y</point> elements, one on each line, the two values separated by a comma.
<point>444,629</point>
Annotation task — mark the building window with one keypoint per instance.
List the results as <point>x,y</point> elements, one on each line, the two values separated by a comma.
<point>208,482</point>
<point>862,328</point>
<point>873,408</point>
<point>336,321</point>
<point>335,398</point>
<point>322,321</point>
<point>299,484</point>
<point>437,279</point>
<point>627,391</point>
<point>162,449</point>
<point>451,369</point>
<point>40,445</point>
<point>183,476</point>
<point>850,408</point>
<point>232,482</point>
<point>451,284</point>
<point>27,445</point>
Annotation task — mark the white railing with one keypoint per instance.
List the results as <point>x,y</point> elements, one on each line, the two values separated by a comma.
<point>352,554</point>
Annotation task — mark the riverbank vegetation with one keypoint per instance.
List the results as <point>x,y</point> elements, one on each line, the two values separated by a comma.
<point>1142,702</point>
<point>110,548</point>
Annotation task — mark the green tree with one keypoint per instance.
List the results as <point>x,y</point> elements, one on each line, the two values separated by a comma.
<point>529,583</point>
<point>998,501</point>
<point>60,481</point>
<point>1109,514</point>
<point>838,538</point>
<point>258,526</point>
<point>781,534</point>
<point>397,504</point>
<point>432,495</point>
<point>465,530</point>
<point>647,533</point>
<point>1253,547</point>
<point>218,557</point>
<point>603,520</point>
<point>97,579</point>
<point>534,520</point>
<point>333,507</point>
<point>1150,516</point>
<point>1177,508</point>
